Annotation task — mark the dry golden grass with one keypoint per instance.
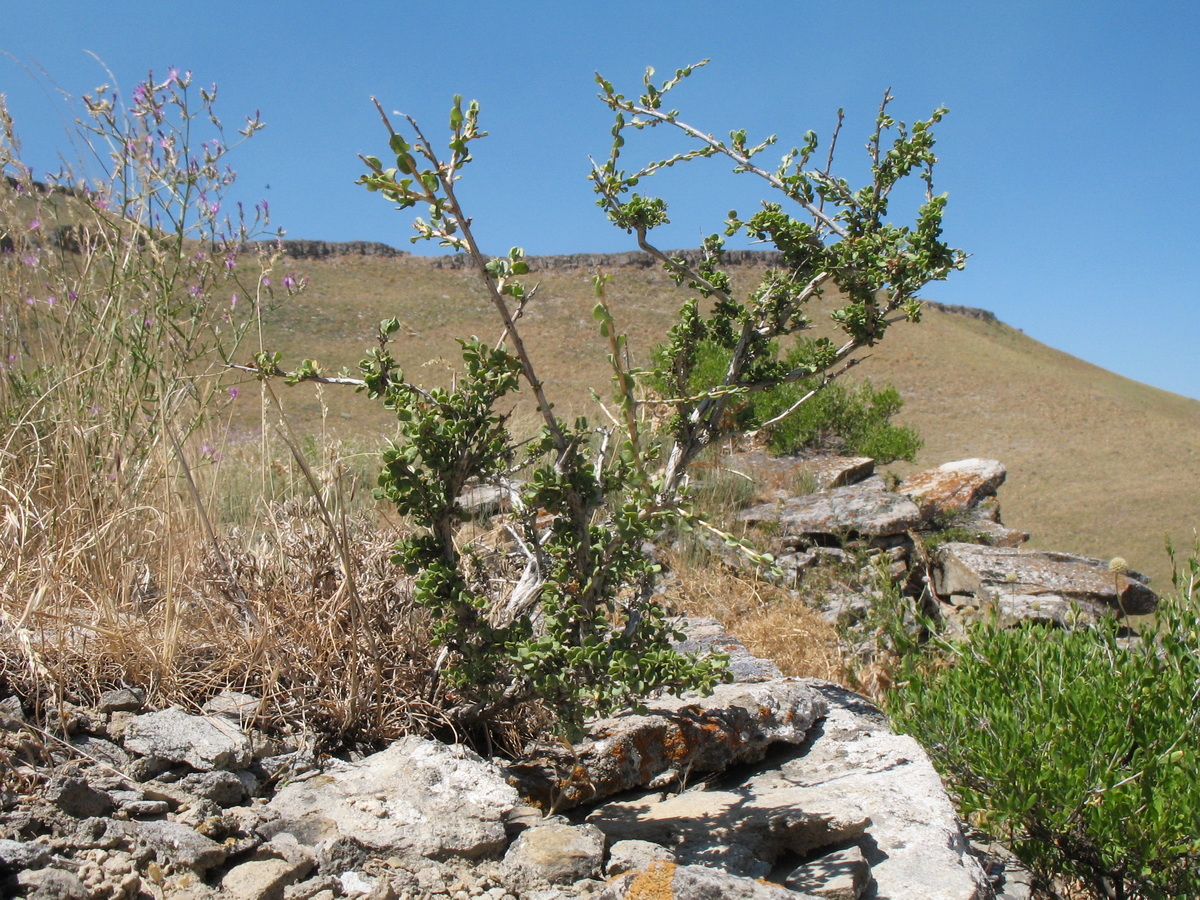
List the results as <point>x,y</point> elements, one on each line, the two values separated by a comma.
<point>770,621</point>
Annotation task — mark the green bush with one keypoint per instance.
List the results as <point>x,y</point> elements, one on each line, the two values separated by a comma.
<point>580,629</point>
<point>810,414</point>
<point>1078,748</point>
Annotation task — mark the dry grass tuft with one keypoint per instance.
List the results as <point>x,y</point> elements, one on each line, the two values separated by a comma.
<point>769,620</point>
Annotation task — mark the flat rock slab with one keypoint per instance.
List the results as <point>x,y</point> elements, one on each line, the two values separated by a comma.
<point>914,843</point>
<point>743,830</point>
<point>416,798</point>
<point>997,575</point>
<point>177,844</point>
<point>672,740</point>
<point>954,486</point>
<point>791,474</point>
<point>201,742</point>
<point>853,784</point>
<point>867,510</point>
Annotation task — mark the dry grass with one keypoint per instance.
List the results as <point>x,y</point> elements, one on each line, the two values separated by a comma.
<point>770,621</point>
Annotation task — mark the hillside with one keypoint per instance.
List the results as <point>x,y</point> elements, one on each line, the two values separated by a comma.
<point>1097,463</point>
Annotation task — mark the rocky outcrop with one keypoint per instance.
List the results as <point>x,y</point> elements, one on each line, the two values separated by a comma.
<point>631,260</point>
<point>852,786</point>
<point>673,739</point>
<point>1051,587</point>
<point>302,249</point>
<point>954,487</point>
<point>866,509</point>
<point>938,535</point>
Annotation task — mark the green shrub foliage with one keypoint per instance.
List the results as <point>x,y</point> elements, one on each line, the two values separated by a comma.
<point>809,414</point>
<point>1080,748</point>
<point>579,628</point>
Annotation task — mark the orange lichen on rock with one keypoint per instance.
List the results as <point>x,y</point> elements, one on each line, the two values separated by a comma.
<point>653,882</point>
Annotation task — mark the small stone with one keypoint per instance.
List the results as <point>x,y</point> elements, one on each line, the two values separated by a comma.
<point>559,854</point>
<point>12,716</point>
<point>15,855</point>
<point>264,879</point>
<point>122,700</point>
<point>222,788</point>
<point>52,884</point>
<point>840,875</point>
<point>203,743</point>
<point>179,845</point>
<point>74,796</point>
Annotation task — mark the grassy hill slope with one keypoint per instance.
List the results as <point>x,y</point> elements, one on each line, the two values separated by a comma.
<point>1097,463</point>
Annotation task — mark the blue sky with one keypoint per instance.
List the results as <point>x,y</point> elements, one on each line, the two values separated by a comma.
<point>1070,153</point>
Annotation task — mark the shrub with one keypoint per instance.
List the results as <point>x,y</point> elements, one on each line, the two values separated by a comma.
<point>577,625</point>
<point>808,414</point>
<point>1078,748</point>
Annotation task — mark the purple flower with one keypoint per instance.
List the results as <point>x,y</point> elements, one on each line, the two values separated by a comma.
<point>266,281</point>
<point>288,281</point>
<point>35,224</point>
<point>233,301</point>
<point>172,75</point>
<point>233,392</point>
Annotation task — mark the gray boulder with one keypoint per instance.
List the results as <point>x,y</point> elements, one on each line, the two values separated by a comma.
<point>558,854</point>
<point>203,743</point>
<point>865,510</point>
<point>416,798</point>
<point>1020,582</point>
<point>854,783</point>
<point>954,486</point>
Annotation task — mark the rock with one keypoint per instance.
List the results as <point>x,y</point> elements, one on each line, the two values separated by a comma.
<point>12,716</point>
<point>861,510</point>
<point>558,854</point>
<point>174,736</point>
<point>52,884</point>
<point>222,788</point>
<point>122,700</point>
<point>484,500</point>
<point>705,636</point>
<point>743,830</point>
<point>99,750</point>
<point>74,796</point>
<point>794,474</point>
<point>914,843</point>
<point>16,855</point>
<point>954,486</point>
<point>625,856</point>
<point>417,797</point>
<point>669,881</point>
<point>177,844</point>
<point>1039,580</point>
<point>264,879</point>
<point>674,739</point>
<point>840,875</point>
